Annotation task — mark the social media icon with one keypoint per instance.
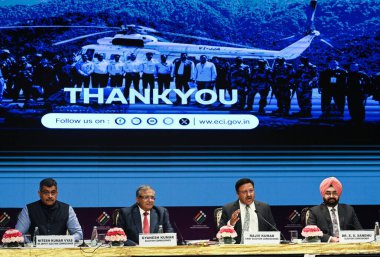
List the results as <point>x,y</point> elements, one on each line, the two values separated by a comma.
<point>120,121</point>
<point>136,121</point>
<point>151,121</point>
<point>184,121</point>
<point>168,121</point>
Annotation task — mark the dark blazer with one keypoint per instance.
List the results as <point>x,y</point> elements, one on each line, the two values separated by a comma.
<point>320,216</point>
<point>263,210</point>
<point>130,221</point>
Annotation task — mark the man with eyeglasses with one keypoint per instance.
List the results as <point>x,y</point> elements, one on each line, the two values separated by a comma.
<point>144,217</point>
<point>247,214</point>
<point>330,216</point>
<point>52,217</point>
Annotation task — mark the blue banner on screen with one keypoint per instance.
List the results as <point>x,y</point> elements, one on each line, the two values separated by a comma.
<point>149,121</point>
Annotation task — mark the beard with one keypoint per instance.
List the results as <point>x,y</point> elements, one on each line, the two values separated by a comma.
<point>331,201</point>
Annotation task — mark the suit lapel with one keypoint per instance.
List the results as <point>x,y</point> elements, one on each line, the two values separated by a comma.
<point>137,218</point>
<point>341,217</point>
<point>238,226</point>
<point>258,207</point>
<point>153,220</point>
<point>326,213</point>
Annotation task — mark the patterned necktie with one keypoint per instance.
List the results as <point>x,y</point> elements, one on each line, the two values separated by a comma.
<point>246,222</point>
<point>335,223</point>
<point>146,223</point>
<point>246,219</point>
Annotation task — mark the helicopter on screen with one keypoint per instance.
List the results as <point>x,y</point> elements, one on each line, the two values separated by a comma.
<point>141,40</point>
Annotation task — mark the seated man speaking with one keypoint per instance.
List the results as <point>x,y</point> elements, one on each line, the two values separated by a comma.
<point>52,217</point>
<point>143,216</point>
<point>330,216</point>
<point>247,214</point>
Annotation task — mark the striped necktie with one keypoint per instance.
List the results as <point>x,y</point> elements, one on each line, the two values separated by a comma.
<point>335,223</point>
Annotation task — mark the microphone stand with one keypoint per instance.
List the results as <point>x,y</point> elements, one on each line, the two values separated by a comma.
<point>182,242</point>
<point>284,241</point>
<point>83,244</point>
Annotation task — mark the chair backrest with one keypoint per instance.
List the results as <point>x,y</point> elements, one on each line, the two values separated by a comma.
<point>305,212</point>
<point>115,217</point>
<point>217,216</point>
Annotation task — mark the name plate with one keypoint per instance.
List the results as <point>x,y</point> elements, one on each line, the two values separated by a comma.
<point>158,239</point>
<point>262,237</point>
<point>356,236</point>
<point>55,241</point>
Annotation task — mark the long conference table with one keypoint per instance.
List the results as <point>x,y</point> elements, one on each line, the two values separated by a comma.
<point>323,249</point>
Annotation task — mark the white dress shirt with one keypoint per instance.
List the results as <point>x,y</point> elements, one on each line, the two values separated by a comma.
<point>142,218</point>
<point>205,72</point>
<point>253,220</point>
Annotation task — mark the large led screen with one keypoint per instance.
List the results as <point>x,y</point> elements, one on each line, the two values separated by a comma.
<point>132,72</point>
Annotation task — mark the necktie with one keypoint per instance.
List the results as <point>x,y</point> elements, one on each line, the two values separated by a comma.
<point>246,219</point>
<point>146,223</point>
<point>246,222</point>
<point>335,223</point>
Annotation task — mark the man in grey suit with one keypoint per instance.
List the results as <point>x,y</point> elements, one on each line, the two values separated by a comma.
<point>143,216</point>
<point>330,216</point>
<point>247,214</point>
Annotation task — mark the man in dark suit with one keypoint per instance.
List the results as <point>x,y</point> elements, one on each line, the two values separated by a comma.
<point>330,216</point>
<point>143,216</point>
<point>247,214</point>
<point>184,73</point>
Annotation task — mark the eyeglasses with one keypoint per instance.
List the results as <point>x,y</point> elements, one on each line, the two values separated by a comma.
<point>46,193</point>
<point>146,197</point>
<point>245,192</point>
<point>331,193</point>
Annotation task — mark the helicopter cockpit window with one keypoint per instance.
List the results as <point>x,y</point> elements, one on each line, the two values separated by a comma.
<point>90,52</point>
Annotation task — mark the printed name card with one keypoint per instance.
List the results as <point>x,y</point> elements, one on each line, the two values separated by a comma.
<point>159,239</point>
<point>356,236</point>
<point>262,237</point>
<point>55,241</point>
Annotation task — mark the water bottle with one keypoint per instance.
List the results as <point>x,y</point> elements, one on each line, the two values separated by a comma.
<point>36,233</point>
<point>377,232</point>
<point>160,229</point>
<point>94,236</point>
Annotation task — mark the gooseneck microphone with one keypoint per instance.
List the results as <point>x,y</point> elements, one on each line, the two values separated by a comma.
<point>181,242</point>
<point>83,244</point>
<point>284,241</point>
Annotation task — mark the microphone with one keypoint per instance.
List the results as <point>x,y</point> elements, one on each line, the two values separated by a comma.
<point>83,244</point>
<point>181,242</point>
<point>284,241</point>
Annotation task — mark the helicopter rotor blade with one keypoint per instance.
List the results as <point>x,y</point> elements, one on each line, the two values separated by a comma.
<point>56,26</point>
<point>81,37</point>
<point>147,29</point>
<point>287,38</point>
<point>284,39</point>
<point>330,45</point>
<point>202,38</point>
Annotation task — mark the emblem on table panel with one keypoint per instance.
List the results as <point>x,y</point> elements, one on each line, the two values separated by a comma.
<point>294,217</point>
<point>103,218</point>
<point>200,217</point>
<point>4,219</point>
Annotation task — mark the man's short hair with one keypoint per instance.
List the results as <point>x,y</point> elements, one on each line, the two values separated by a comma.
<point>48,182</point>
<point>142,188</point>
<point>241,182</point>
